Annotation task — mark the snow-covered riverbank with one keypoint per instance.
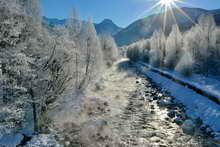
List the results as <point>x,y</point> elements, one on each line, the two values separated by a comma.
<point>197,106</point>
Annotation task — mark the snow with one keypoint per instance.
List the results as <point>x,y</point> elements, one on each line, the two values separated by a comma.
<point>209,84</point>
<point>94,133</point>
<point>11,140</point>
<point>43,140</point>
<point>197,106</point>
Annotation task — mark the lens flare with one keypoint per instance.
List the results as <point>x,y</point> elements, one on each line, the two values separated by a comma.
<point>169,8</point>
<point>167,3</point>
<point>168,11</point>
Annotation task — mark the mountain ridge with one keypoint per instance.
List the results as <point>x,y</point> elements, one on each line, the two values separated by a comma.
<point>106,27</point>
<point>143,28</point>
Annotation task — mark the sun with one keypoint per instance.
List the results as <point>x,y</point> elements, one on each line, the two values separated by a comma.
<point>167,3</point>
<point>167,10</point>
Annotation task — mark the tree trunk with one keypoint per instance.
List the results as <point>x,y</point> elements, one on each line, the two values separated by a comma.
<point>4,84</point>
<point>77,72</point>
<point>34,107</point>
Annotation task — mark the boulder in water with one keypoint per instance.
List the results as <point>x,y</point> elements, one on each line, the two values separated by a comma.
<point>188,126</point>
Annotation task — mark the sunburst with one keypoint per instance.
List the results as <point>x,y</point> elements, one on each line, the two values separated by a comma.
<point>167,6</point>
<point>167,3</point>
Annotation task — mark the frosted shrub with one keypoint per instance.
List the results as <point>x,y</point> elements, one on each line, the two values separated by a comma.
<point>139,51</point>
<point>155,57</point>
<point>217,33</point>
<point>157,45</point>
<point>185,64</point>
<point>93,106</point>
<point>96,133</point>
<point>202,43</point>
<point>145,55</point>
<point>218,47</point>
<point>173,47</point>
<point>208,44</point>
<point>85,59</point>
<point>133,53</point>
<point>100,84</point>
<point>171,59</point>
<point>109,49</point>
<point>207,27</point>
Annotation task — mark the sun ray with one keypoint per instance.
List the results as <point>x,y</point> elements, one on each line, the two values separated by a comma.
<point>174,18</point>
<point>186,3</point>
<point>149,10</point>
<point>184,14</point>
<point>169,8</point>
<point>165,20</point>
<point>156,6</point>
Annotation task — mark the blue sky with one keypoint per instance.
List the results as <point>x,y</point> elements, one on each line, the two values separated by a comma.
<point>122,12</point>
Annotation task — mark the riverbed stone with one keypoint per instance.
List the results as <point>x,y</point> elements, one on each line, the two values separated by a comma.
<point>188,126</point>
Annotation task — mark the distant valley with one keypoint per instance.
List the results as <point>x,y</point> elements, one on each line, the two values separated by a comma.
<point>144,28</point>
<point>107,26</point>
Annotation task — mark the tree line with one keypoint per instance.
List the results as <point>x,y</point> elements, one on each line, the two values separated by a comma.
<point>194,51</point>
<point>41,64</point>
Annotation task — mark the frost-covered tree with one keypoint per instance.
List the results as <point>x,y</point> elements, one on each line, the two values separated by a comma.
<point>185,65</point>
<point>217,33</point>
<point>74,25</point>
<point>207,27</point>
<point>38,68</point>
<point>173,47</point>
<point>201,42</point>
<point>157,43</point>
<point>133,53</point>
<point>86,54</point>
<point>25,46</point>
<point>139,50</point>
<point>196,50</point>
<point>17,59</point>
<point>145,50</point>
<point>192,42</point>
<point>217,51</point>
<point>207,31</point>
<point>31,8</point>
<point>93,53</point>
<point>109,49</point>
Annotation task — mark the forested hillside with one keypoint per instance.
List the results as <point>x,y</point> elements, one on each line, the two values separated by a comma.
<point>193,51</point>
<point>40,68</point>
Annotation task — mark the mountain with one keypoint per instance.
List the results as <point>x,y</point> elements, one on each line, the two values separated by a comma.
<point>107,26</point>
<point>54,21</point>
<point>144,28</point>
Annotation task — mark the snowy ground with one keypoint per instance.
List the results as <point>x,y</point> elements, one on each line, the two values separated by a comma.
<point>126,111</point>
<point>197,106</point>
<point>209,84</point>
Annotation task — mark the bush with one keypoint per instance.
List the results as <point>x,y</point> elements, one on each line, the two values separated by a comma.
<point>185,65</point>
<point>155,57</point>
<point>171,60</point>
<point>109,49</point>
<point>133,53</point>
<point>145,56</point>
